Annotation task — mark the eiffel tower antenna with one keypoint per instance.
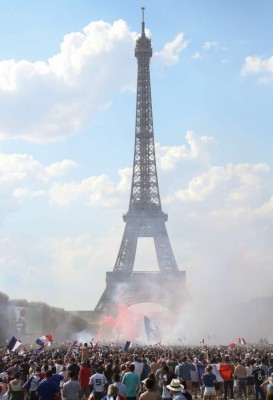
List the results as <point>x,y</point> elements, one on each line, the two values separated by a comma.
<point>143,22</point>
<point>145,217</point>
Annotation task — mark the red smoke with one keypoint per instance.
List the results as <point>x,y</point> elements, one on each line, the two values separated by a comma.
<point>126,325</point>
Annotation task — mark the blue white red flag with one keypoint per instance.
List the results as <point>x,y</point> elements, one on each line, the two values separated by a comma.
<point>127,345</point>
<point>241,341</point>
<point>147,325</point>
<point>151,332</point>
<point>14,344</point>
<point>40,342</point>
<point>47,339</point>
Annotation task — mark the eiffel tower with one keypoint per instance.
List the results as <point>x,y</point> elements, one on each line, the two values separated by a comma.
<point>145,217</point>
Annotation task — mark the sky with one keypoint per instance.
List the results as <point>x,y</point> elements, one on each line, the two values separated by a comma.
<point>67,118</point>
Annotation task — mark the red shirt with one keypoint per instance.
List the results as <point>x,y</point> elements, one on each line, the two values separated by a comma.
<point>85,374</point>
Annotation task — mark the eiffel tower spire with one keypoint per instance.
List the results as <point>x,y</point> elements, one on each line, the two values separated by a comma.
<point>144,191</point>
<point>145,217</point>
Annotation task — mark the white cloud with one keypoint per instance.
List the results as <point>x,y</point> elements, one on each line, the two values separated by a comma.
<point>196,56</point>
<point>265,211</point>
<point>61,168</point>
<point>25,192</point>
<point>170,53</point>
<point>54,99</point>
<point>259,66</point>
<point>232,183</point>
<point>209,45</point>
<point>199,147</point>
<point>94,190</point>
<point>20,167</point>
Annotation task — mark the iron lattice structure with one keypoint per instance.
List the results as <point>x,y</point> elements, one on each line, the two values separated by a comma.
<point>145,217</point>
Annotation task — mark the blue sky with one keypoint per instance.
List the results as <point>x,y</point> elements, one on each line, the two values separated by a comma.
<point>67,95</point>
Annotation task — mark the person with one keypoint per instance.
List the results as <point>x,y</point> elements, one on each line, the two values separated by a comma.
<point>149,393</point>
<point>172,363</point>
<point>258,374</point>
<point>59,365</point>
<point>270,367</point>
<point>71,389</point>
<point>158,374</point>
<point>154,365</point>
<point>175,389</point>
<point>227,375</point>
<point>249,377</point>
<point>3,389</point>
<point>84,377</point>
<point>108,373</point>
<point>57,378</point>
<point>195,378</point>
<point>98,382</point>
<point>120,385</point>
<point>164,379</point>
<point>113,393</point>
<point>240,376</point>
<point>166,394</point>
<point>30,387</point>
<point>183,372</point>
<point>47,390</point>
<point>152,377</point>
<point>145,370</point>
<point>209,382</point>
<point>73,367</point>
<point>15,388</point>
<point>138,366</point>
<point>132,383</point>
<point>84,352</point>
<point>268,384</point>
<point>116,370</point>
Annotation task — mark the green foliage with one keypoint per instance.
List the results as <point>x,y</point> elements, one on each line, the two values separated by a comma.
<point>4,299</point>
<point>60,323</point>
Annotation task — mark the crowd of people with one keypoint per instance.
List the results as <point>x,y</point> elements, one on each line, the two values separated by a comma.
<point>142,372</point>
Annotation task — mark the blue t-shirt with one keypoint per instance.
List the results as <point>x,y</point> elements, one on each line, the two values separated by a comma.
<point>47,389</point>
<point>209,379</point>
<point>57,379</point>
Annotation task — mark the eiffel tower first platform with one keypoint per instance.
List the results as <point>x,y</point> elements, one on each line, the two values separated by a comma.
<point>145,217</point>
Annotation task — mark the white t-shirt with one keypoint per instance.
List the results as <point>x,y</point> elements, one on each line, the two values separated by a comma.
<point>138,368</point>
<point>98,381</point>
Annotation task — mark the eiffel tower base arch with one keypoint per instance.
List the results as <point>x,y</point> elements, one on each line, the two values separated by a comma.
<point>167,288</point>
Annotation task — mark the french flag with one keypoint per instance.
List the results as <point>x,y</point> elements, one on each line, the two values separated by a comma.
<point>40,342</point>
<point>241,341</point>
<point>127,345</point>
<point>14,344</point>
<point>48,339</point>
<point>223,372</point>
